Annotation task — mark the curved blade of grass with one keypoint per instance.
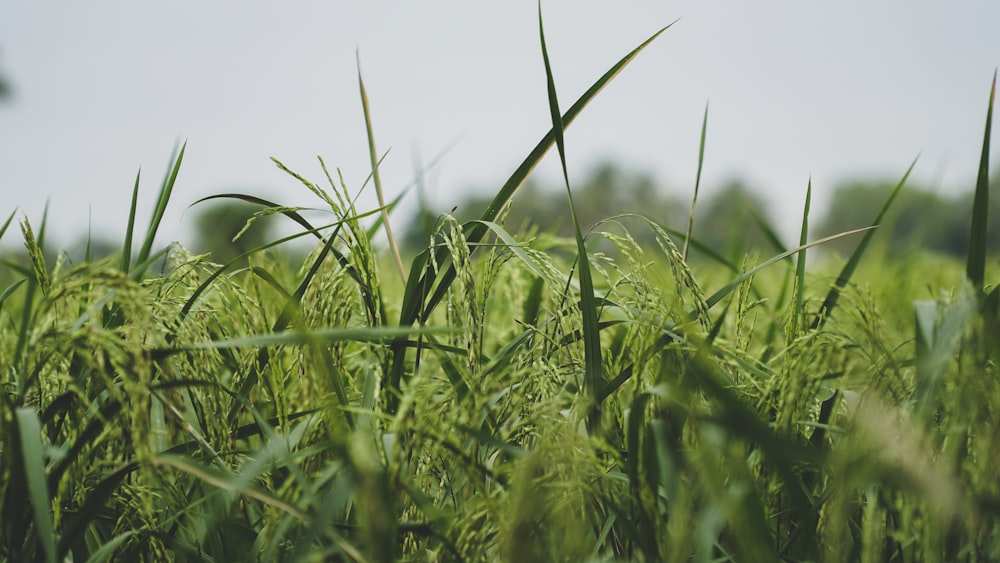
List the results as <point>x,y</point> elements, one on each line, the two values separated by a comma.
<point>10,289</point>
<point>976,263</point>
<point>290,213</point>
<point>729,287</point>
<point>3,229</point>
<point>852,263</point>
<point>107,551</point>
<point>697,182</point>
<point>514,247</point>
<point>416,303</point>
<point>30,434</point>
<point>227,481</point>
<point>96,500</point>
<point>326,335</point>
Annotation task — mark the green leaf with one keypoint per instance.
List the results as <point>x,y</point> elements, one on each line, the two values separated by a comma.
<point>30,434</point>
<point>593,366</point>
<point>126,259</point>
<point>697,183</point>
<point>800,267</point>
<point>976,264</point>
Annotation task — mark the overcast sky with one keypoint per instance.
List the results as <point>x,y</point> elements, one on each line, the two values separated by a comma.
<point>828,90</point>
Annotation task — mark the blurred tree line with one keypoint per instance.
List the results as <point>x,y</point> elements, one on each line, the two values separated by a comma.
<point>919,219</point>
<point>725,221</point>
<point>730,220</point>
<point>733,219</point>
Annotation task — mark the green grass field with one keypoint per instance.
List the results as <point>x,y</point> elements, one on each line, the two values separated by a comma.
<point>496,401</point>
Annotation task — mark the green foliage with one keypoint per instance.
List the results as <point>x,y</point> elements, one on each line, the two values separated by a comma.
<point>536,401</point>
<point>921,220</point>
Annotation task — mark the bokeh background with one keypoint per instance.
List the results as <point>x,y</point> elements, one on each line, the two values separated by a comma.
<point>844,93</point>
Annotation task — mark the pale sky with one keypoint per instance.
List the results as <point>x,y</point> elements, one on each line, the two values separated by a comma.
<point>797,89</point>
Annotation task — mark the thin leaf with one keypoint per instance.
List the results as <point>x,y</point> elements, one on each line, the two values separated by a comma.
<point>376,177</point>
<point>30,434</point>
<point>593,366</point>
<point>729,287</point>
<point>327,335</point>
<point>697,183</point>
<point>976,264</point>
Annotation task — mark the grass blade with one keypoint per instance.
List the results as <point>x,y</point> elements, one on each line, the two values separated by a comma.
<point>800,267</point>
<point>376,178</point>
<point>30,433</point>
<point>697,183</point>
<point>588,306</point>
<point>299,337</point>
<point>976,264</point>
<point>130,230</point>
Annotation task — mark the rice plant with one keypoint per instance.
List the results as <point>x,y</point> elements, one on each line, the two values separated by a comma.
<point>495,400</point>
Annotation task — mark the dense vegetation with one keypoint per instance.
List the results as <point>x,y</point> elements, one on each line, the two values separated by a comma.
<point>507,397</point>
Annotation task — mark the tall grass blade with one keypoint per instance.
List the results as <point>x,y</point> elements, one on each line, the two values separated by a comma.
<point>588,305</point>
<point>300,337</point>
<point>107,551</point>
<point>126,259</point>
<point>30,434</point>
<point>166,189</point>
<point>418,299</point>
<point>800,268</point>
<point>697,183</point>
<point>376,177</point>
<point>976,264</point>
<point>9,290</point>
<point>833,295</point>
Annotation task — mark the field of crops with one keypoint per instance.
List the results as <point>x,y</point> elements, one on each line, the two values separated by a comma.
<point>495,400</point>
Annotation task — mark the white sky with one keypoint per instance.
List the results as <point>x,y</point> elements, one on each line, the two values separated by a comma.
<point>831,90</point>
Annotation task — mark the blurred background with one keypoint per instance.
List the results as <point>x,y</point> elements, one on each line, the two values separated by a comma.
<point>846,94</point>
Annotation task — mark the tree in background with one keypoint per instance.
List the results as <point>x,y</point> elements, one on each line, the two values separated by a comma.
<point>919,219</point>
<point>5,88</point>
<point>728,222</point>
<point>219,222</point>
